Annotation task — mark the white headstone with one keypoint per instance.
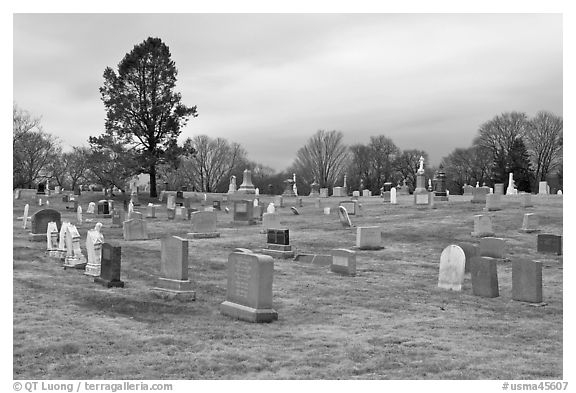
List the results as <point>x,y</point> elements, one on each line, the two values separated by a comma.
<point>344,218</point>
<point>62,241</point>
<point>79,215</point>
<point>39,201</point>
<point>559,192</point>
<point>327,211</point>
<point>130,208</point>
<point>91,208</point>
<point>52,227</point>
<point>271,208</point>
<point>255,203</point>
<point>25,217</point>
<point>452,263</point>
<point>257,191</point>
<point>393,199</point>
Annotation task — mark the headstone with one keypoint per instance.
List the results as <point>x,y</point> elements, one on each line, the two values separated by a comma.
<point>530,223</point>
<point>343,216</point>
<point>103,207</point>
<point>452,266</point>
<point>559,192</point>
<point>91,208</point>
<point>180,213</point>
<point>314,189</point>
<point>440,191</point>
<point>118,216</point>
<point>525,200</point>
<point>493,202</point>
<point>366,193</point>
<point>52,238</point>
<point>543,188</point>
<point>499,188</point>
<point>467,189</point>
<point>351,207</point>
<point>232,185</point>
<point>470,251</point>
<point>323,193</point>
<point>58,190</point>
<point>79,216</point>
<point>479,194</point>
<point>150,211</point>
<point>110,266</point>
<point>171,213</point>
<point>511,190</point>
<point>134,230</point>
<point>343,262</point>
<point>249,289</point>
<point>25,216</point>
<point>369,238</point>
<point>62,240</point>
<point>289,188</point>
<point>17,193</point>
<point>294,211</point>
<point>393,198</point>
<point>174,269</point>
<point>78,191</point>
<point>243,211</point>
<point>337,192</point>
<point>134,198</point>
<point>216,205</point>
<point>355,194</point>
<point>203,225</point>
<point>386,196</point>
<point>431,200</point>
<point>40,202</point>
<point>39,223</point>
<point>527,281</point>
<point>161,197</point>
<point>246,187</point>
<point>493,247</point>
<point>41,189</point>
<point>482,226</point>
<point>271,208</point>
<point>327,211</point>
<point>278,243</point>
<point>548,242</point>
<point>484,274</point>
<point>94,241</point>
<point>171,202</point>
<point>74,257</point>
<point>65,198</point>
<point>318,203</point>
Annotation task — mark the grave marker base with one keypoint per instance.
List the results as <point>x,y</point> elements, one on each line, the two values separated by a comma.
<point>202,235</point>
<point>278,251</point>
<point>172,289</point>
<point>248,314</point>
<point>37,237</point>
<point>74,263</point>
<point>528,230</point>
<point>481,234</point>
<point>92,270</point>
<point>109,284</point>
<point>315,259</point>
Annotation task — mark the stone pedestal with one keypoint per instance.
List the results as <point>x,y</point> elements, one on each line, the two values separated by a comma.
<point>247,187</point>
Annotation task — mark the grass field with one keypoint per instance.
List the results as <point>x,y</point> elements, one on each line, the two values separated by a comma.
<point>391,321</point>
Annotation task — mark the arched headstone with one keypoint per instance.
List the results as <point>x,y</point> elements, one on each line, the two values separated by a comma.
<point>452,264</point>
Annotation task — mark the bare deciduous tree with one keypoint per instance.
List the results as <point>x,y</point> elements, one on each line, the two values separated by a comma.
<point>213,163</point>
<point>544,142</point>
<point>323,158</point>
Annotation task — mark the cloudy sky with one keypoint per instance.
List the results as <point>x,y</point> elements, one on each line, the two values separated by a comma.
<point>269,81</point>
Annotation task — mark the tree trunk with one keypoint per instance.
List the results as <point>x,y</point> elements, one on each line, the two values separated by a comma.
<point>153,181</point>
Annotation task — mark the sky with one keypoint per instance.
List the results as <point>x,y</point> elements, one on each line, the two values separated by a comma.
<point>270,81</point>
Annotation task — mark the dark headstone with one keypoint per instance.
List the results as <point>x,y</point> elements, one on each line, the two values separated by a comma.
<point>279,236</point>
<point>470,251</point>
<point>41,189</point>
<point>484,274</point>
<point>527,281</point>
<point>216,205</point>
<point>110,266</point>
<point>103,207</point>
<point>65,198</point>
<point>41,218</point>
<point>77,191</point>
<point>550,243</point>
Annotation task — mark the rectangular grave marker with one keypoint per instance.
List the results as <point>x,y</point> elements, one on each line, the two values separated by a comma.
<point>484,274</point>
<point>369,238</point>
<point>110,266</point>
<point>527,281</point>
<point>343,262</point>
<point>548,242</point>
<point>174,269</point>
<point>249,289</point>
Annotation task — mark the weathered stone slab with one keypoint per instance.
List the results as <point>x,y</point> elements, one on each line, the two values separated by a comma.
<point>452,266</point>
<point>343,216</point>
<point>343,262</point>
<point>493,247</point>
<point>249,289</point>
<point>530,223</point>
<point>470,251</point>
<point>482,226</point>
<point>548,242</point>
<point>110,266</point>
<point>134,230</point>
<point>174,269</point>
<point>527,281</point>
<point>369,238</point>
<point>484,274</point>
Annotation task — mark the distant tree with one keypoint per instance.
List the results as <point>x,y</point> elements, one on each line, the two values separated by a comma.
<point>324,158</point>
<point>32,150</point>
<point>544,140</point>
<point>360,167</point>
<point>383,154</point>
<point>70,168</point>
<point>407,164</point>
<point>142,110</point>
<point>214,161</point>
<point>519,165</point>
<point>498,137</point>
<point>467,166</point>
<point>111,163</point>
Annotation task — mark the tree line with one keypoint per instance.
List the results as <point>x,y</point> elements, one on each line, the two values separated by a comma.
<point>145,116</point>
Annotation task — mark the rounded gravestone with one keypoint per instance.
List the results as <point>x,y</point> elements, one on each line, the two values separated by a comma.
<point>344,218</point>
<point>452,264</point>
<point>294,210</point>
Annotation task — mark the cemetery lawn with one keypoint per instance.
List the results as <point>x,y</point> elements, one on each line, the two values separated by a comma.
<point>390,321</point>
